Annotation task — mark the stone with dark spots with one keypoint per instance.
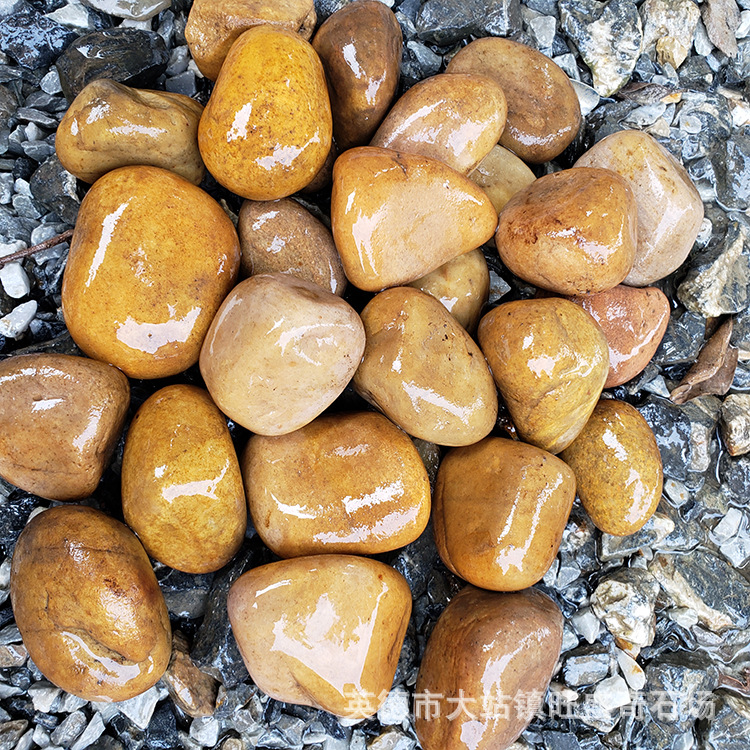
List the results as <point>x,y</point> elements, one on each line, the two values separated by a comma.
<point>32,39</point>
<point>130,56</point>
<point>444,22</point>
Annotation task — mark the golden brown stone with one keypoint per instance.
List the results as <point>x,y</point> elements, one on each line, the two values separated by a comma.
<point>501,174</point>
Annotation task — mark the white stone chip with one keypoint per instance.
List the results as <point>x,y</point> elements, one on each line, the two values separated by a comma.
<point>141,708</point>
<point>588,98</point>
<point>205,730</point>
<point>395,708</point>
<point>743,29</point>
<point>50,84</point>
<point>586,624</point>
<point>17,321</point>
<point>683,616</point>
<point>14,280</point>
<point>91,734</point>
<point>631,670</point>
<point>14,246</point>
<point>727,527</point>
<point>612,693</point>
<point>43,694</point>
<point>73,14</point>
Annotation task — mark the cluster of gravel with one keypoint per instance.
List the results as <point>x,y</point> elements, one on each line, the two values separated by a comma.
<point>679,588</point>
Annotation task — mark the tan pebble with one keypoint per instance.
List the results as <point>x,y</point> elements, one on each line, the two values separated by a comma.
<point>109,125</point>
<point>456,118</point>
<point>396,217</point>
<point>284,237</point>
<point>60,419</point>
<point>549,359</point>
<point>501,174</point>
<point>324,631</point>
<point>618,468</point>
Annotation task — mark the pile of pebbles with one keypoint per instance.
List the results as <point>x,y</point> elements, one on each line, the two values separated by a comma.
<point>678,588</point>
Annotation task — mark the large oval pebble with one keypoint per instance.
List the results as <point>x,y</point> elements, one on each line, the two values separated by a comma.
<point>360,48</point>
<point>549,359</point>
<point>151,259</point>
<point>266,130</point>
<point>181,483</point>
<point>323,631</point>
<point>423,371</point>
<point>280,351</point>
<point>88,605</point>
<point>350,483</point>
<point>396,217</point>
<point>60,419</point>
<point>456,118</point>
<point>543,110</point>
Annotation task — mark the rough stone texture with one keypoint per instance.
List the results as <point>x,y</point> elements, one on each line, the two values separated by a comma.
<point>608,36</point>
<point>731,163</point>
<point>54,187</point>
<point>31,39</point>
<point>735,423</point>
<point>718,279</point>
<point>192,690</point>
<point>721,18</point>
<point>446,21</point>
<point>705,584</point>
<point>668,29</point>
<point>136,10</point>
<point>131,56</point>
<point>625,602</point>
<point>731,725</point>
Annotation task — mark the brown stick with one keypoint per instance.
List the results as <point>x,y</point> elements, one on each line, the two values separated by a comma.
<point>51,242</point>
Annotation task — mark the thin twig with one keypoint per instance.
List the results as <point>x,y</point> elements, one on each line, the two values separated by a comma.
<point>51,242</point>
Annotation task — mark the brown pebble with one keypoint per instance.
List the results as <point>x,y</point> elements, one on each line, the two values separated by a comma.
<point>191,689</point>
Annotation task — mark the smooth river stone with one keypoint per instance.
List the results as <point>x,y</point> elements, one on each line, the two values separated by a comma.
<point>151,259</point>
<point>423,371</point>
<point>549,359</point>
<point>618,468</point>
<point>88,604</point>
<point>571,232</point>
<point>543,110</point>
<point>396,217</point>
<point>214,25</point>
<point>110,125</point>
<point>670,210</point>
<point>454,117</point>
<point>461,285</point>
<point>266,130</point>
<point>634,322</point>
<point>360,48</point>
<point>501,174</point>
<point>323,631</point>
<point>279,352</point>
<point>181,483</point>
<point>60,419</point>
<point>284,237</point>
<point>349,483</point>
<point>500,509</point>
<point>498,652</point>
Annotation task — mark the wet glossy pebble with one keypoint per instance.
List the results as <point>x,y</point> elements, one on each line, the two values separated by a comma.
<point>618,468</point>
<point>396,217</point>
<point>323,631</point>
<point>181,483</point>
<point>634,322</point>
<point>501,174</point>
<point>461,285</point>
<point>214,25</point>
<point>88,605</point>
<point>280,351</point>
<point>670,210</point>
<point>360,48</point>
<point>283,237</point>
<point>572,232</point>
<point>500,510</point>
<point>423,371</point>
<point>498,653</point>
<point>549,359</point>
<point>350,483</point>
<point>60,419</point>
<point>456,118</point>
<point>543,110</point>
<point>266,130</point>
<point>151,259</point>
<point>109,125</point>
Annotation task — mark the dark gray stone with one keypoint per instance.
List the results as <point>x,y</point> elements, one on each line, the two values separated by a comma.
<point>586,665</point>
<point>560,741</point>
<point>14,512</point>
<point>444,22</point>
<point>683,338</point>
<point>729,728</point>
<point>54,187</point>
<point>162,729</point>
<point>672,429</point>
<point>131,56</point>
<point>715,117</point>
<point>731,161</point>
<point>32,39</point>
<point>734,474</point>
